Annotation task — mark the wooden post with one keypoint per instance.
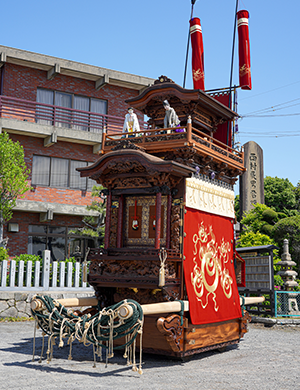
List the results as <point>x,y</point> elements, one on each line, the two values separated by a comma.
<point>158,220</point>
<point>168,233</point>
<point>103,138</point>
<point>120,221</point>
<point>46,269</point>
<point>189,129</point>
<point>107,221</point>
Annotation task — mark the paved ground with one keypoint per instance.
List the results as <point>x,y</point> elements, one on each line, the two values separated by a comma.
<point>267,358</point>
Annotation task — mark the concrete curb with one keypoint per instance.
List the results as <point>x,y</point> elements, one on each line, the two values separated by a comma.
<point>275,321</point>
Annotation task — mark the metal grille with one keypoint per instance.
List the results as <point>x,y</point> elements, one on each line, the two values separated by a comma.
<point>287,304</point>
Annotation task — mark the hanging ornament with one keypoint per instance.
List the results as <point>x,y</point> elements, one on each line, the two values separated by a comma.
<point>135,222</point>
<point>161,277</point>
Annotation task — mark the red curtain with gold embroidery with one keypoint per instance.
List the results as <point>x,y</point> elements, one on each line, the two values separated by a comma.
<point>209,268</point>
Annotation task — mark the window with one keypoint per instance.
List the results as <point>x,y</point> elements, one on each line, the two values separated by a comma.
<point>59,172</point>
<point>58,240</point>
<point>76,111</point>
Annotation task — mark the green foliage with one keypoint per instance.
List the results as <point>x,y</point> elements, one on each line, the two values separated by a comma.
<point>289,228</point>
<point>249,239</point>
<point>267,229</point>
<point>253,220</point>
<point>270,216</point>
<point>26,258</point>
<point>237,207</point>
<point>3,254</point>
<point>278,280</point>
<point>94,227</point>
<point>13,175</point>
<point>297,195</point>
<point>279,194</point>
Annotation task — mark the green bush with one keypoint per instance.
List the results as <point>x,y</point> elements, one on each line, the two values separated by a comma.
<point>270,216</point>
<point>267,229</point>
<point>3,254</point>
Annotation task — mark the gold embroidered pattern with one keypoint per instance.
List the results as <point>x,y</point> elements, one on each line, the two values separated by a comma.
<point>210,261</point>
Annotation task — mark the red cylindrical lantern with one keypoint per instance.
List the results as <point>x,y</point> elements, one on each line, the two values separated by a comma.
<point>244,50</point>
<point>197,53</point>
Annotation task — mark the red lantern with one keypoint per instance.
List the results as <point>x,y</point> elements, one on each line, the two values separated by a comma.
<point>197,53</point>
<point>244,50</point>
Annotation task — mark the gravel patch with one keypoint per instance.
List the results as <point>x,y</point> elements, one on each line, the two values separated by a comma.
<point>266,358</point>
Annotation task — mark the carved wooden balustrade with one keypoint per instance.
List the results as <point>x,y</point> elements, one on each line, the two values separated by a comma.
<point>165,140</point>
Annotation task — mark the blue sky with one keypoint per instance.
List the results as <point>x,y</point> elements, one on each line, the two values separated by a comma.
<point>149,38</point>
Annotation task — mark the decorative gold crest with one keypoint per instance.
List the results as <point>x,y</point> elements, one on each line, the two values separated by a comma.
<point>210,270</point>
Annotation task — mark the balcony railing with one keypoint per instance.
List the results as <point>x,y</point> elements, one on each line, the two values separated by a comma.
<point>47,114</point>
<point>159,140</point>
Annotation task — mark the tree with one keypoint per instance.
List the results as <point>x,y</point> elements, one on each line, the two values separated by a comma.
<point>289,228</point>
<point>260,219</point>
<point>13,178</point>
<point>249,239</point>
<point>95,226</point>
<point>280,194</point>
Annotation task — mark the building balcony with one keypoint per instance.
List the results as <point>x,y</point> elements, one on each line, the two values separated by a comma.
<point>55,123</point>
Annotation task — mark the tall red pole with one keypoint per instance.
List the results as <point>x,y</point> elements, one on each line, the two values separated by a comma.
<point>244,49</point>
<point>197,53</point>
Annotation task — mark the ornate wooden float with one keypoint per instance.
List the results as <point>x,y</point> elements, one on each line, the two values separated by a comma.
<point>169,232</point>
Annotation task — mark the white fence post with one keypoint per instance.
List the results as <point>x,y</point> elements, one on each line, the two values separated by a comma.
<point>69,274</point>
<point>37,268</point>
<point>12,273</point>
<point>54,274</point>
<point>77,274</point>
<point>46,269</point>
<point>62,266</point>
<point>3,273</point>
<point>28,273</point>
<point>21,273</point>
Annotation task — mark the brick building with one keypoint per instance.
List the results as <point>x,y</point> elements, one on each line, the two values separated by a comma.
<point>57,110</point>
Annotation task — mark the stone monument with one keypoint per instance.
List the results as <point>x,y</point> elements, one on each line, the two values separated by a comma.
<point>252,181</point>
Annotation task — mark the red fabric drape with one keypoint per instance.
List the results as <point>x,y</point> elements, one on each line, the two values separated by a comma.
<point>244,50</point>
<point>197,53</point>
<point>209,268</point>
<point>221,132</point>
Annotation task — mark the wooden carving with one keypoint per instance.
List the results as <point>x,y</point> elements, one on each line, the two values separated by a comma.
<point>141,295</point>
<point>131,269</point>
<point>172,330</point>
<point>175,228</point>
<point>113,227</point>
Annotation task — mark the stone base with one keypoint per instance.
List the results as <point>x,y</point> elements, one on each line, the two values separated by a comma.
<point>17,304</point>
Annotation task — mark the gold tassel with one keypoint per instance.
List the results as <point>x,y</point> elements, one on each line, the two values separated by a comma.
<point>161,277</point>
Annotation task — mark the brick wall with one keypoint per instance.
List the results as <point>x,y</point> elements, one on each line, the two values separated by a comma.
<point>22,82</point>
<point>35,146</point>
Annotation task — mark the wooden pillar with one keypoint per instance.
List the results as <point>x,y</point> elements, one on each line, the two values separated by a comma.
<point>169,210</point>
<point>189,129</point>
<point>158,220</point>
<point>120,221</point>
<point>107,220</point>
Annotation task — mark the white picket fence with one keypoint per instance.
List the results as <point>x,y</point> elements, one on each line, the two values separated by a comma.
<point>44,276</point>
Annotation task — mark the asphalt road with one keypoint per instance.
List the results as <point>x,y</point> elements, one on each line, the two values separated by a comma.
<point>267,358</point>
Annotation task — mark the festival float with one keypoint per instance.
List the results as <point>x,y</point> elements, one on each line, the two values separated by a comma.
<point>165,281</point>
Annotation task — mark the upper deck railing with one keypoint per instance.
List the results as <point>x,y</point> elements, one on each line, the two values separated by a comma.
<point>159,140</point>
<point>47,114</point>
